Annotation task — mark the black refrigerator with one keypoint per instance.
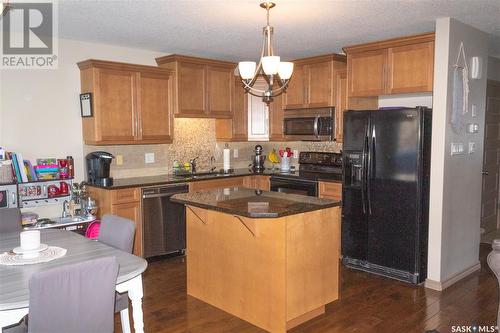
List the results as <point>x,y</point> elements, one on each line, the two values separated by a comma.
<point>385,193</point>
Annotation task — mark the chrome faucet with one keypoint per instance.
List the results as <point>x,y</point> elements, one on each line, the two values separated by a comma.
<point>192,164</point>
<point>212,162</point>
<point>65,212</point>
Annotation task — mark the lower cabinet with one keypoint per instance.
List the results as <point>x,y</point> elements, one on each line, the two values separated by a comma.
<point>258,182</point>
<point>121,202</point>
<point>329,190</point>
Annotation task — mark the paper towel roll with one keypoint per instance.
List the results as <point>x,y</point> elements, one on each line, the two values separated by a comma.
<point>227,159</point>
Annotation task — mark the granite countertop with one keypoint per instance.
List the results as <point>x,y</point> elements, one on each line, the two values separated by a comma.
<point>254,203</point>
<point>119,183</point>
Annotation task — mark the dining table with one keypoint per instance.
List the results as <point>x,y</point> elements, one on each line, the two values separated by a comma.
<point>14,290</point>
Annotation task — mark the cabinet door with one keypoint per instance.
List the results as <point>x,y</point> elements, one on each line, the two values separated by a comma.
<point>295,96</point>
<point>330,190</point>
<point>258,116</point>
<point>155,116</point>
<point>276,115</point>
<point>319,87</point>
<point>220,91</point>
<point>366,72</point>
<point>340,103</point>
<point>131,211</point>
<point>192,90</point>
<point>116,105</point>
<point>410,68</point>
<point>240,112</point>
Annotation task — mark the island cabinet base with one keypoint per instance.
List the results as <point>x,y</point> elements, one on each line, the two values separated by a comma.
<point>275,273</point>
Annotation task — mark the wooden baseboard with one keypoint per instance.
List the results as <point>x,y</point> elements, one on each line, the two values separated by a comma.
<point>442,285</point>
<point>305,317</point>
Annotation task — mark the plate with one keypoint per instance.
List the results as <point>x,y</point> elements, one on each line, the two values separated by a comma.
<point>19,250</point>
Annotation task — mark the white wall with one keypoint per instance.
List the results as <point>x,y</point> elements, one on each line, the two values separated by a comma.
<point>454,221</point>
<point>39,109</point>
<point>494,68</point>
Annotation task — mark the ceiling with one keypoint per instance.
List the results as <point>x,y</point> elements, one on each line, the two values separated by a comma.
<point>231,29</point>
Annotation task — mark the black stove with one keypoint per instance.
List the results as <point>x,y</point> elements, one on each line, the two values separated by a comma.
<point>313,167</point>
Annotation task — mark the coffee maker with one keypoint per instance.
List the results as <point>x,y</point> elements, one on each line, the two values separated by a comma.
<point>258,159</point>
<point>98,167</point>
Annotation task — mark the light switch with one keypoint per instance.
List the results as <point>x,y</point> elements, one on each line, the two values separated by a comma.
<point>235,153</point>
<point>119,159</point>
<point>474,110</point>
<point>149,158</point>
<point>472,147</point>
<point>457,148</point>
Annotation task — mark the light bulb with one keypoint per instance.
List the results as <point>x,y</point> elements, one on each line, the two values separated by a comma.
<point>285,70</point>
<point>270,64</point>
<point>247,69</point>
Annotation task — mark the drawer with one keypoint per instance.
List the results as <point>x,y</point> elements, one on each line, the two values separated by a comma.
<point>330,190</point>
<point>125,195</point>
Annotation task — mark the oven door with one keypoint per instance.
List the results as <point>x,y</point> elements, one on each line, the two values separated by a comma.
<point>294,186</point>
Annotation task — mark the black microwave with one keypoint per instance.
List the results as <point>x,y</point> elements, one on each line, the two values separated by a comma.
<point>310,124</point>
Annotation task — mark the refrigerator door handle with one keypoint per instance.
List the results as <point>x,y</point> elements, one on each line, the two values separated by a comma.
<point>363,174</point>
<point>371,169</point>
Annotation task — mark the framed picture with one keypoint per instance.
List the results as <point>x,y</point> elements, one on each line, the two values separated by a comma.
<point>86,105</point>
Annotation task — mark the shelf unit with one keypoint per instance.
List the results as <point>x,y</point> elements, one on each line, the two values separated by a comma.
<point>36,193</point>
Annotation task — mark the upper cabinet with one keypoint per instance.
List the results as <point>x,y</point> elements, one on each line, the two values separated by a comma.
<point>131,103</point>
<point>203,88</point>
<point>401,65</point>
<point>313,84</point>
<point>234,129</point>
<point>341,103</point>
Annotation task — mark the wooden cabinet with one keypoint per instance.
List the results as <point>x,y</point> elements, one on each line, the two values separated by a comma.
<point>203,88</point>
<point>258,182</point>
<point>410,68</point>
<point>341,103</point>
<point>121,202</point>
<point>276,116</point>
<point>131,103</point>
<point>401,65</point>
<point>234,129</point>
<point>330,190</point>
<point>312,84</point>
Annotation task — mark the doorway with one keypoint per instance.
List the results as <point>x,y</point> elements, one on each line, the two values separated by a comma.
<point>490,224</point>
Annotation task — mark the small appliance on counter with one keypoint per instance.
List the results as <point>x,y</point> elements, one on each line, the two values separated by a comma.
<point>258,159</point>
<point>98,168</point>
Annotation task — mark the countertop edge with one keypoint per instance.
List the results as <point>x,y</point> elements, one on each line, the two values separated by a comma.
<point>257,216</point>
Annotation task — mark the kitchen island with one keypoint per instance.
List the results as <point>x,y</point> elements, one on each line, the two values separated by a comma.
<point>269,258</point>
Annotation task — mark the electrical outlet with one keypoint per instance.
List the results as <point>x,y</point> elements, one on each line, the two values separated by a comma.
<point>149,158</point>
<point>235,153</point>
<point>119,159</point>
<point>474,110</point>
<point>295,153</point>
<point>472,147</point>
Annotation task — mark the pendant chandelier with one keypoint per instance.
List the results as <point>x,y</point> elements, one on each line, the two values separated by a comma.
<point>276,73</point>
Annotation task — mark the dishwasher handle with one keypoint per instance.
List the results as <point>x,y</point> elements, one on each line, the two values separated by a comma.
<point>166,191</point>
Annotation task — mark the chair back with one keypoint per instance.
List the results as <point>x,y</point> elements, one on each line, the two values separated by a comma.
<point>117,232</point>
<point>76,298</point>
<point>10,220</point>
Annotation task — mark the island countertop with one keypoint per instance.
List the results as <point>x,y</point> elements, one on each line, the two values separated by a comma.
<point>253,203</point>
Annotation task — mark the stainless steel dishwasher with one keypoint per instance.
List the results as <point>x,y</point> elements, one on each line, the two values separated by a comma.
<point>164,220</point>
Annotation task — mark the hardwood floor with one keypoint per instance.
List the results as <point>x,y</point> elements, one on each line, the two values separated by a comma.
<point>368,304</point>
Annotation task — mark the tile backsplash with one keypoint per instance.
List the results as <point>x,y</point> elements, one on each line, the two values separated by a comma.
<point>194,137</point>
